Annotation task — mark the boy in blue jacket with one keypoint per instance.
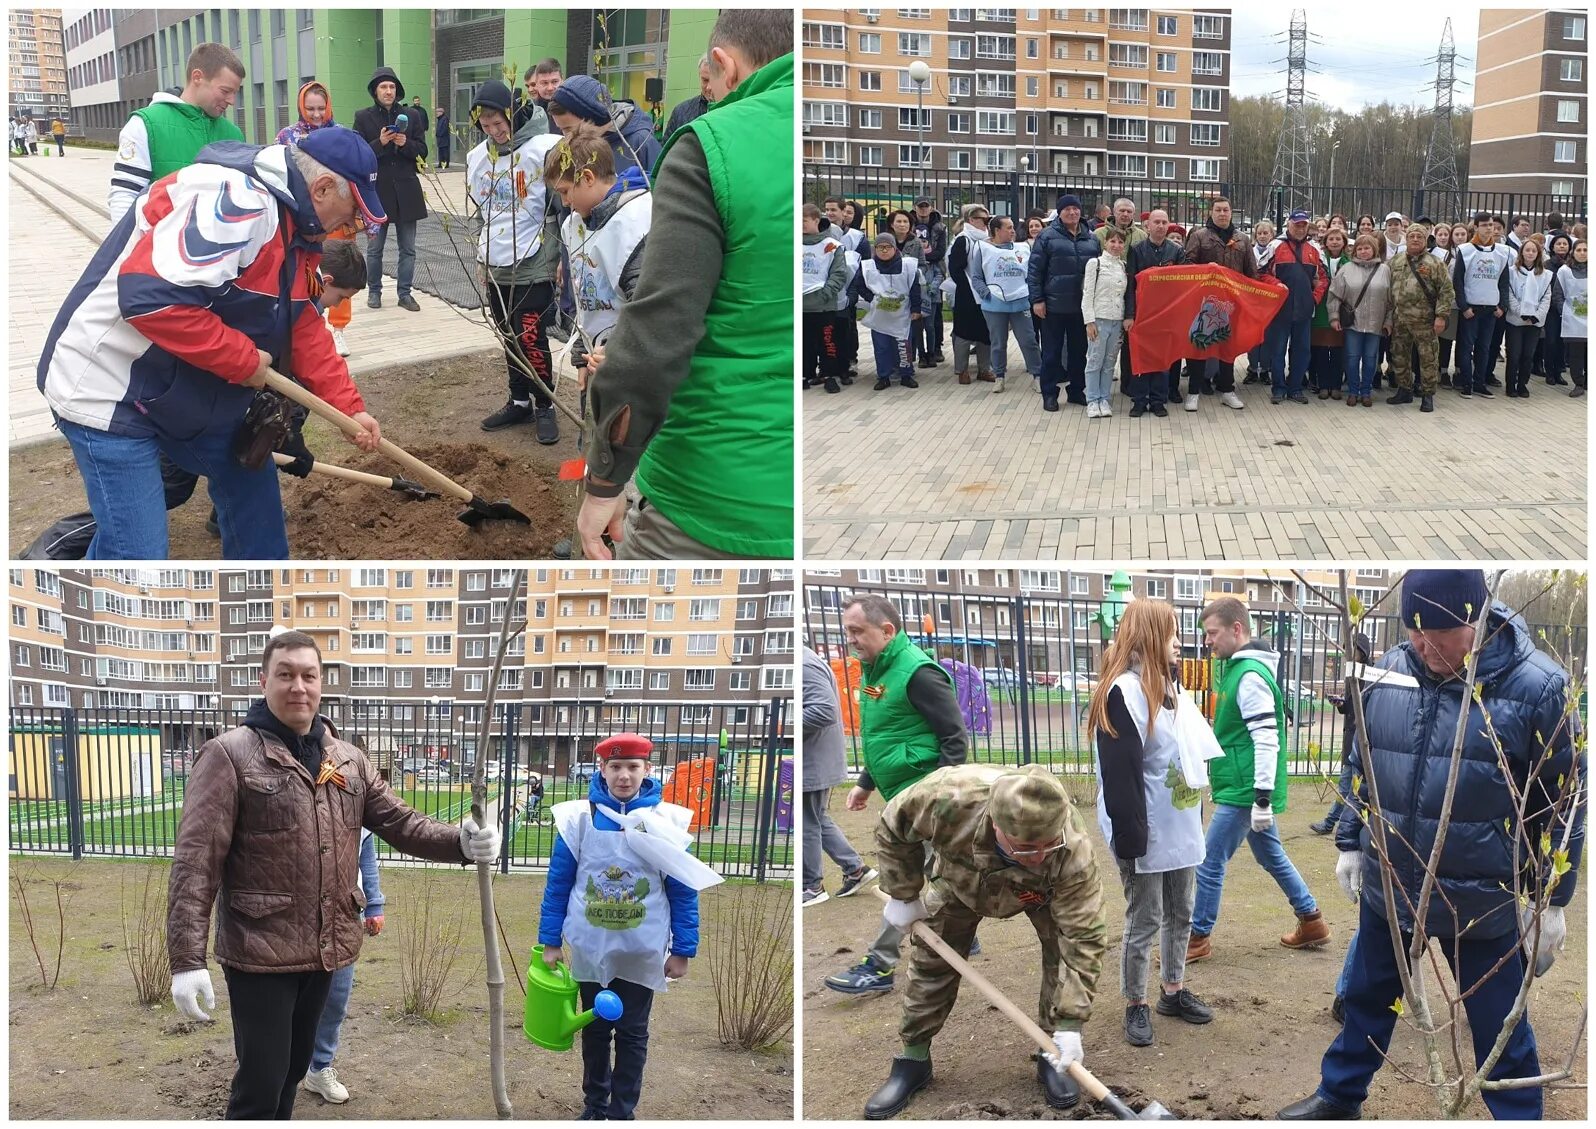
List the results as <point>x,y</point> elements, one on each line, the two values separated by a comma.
<point>618,922</point>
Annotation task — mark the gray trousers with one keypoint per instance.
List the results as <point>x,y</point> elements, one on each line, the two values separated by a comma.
<point>998,326</point>
<point>649,535</point>
<point>820,834</point>
<point>961,355</point>
<point>1154,904</point>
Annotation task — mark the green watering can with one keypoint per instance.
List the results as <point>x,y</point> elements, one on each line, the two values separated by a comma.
<point>552,1019</point>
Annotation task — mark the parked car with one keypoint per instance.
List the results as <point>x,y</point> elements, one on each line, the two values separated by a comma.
<point>999,676</point>
<point>1076,683</point>
<point>581,771</point>
<point>1045,678</point>
<point>434,774</point>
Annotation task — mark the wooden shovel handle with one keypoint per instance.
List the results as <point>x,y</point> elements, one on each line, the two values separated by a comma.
<point>1088,1082</point>
<point>299,394</point>
<point>334,471</point>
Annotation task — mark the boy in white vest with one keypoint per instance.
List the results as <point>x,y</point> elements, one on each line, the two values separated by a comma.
<point>827,272</point>
<point>604,234</point>
<point>891,284</point>
<point>621,908</point>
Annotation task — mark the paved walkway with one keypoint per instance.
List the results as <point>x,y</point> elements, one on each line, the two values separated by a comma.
<point>950,472</point>
<point>47,255</point>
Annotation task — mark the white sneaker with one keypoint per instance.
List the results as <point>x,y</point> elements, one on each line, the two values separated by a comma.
<point>1091,409</point>
<point>339,343</point>
<point>997,386</point>
<point>1191,402</point>
<point>1104,409</point>
<point>1231,400</point>
<point>325,1083</point>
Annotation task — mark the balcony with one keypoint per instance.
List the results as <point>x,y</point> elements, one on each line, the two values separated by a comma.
<point>1078,104</point>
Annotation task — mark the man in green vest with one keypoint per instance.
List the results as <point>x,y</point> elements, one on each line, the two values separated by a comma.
<point>168,134</point>
<point>692,401</point>
<point>1249,781</point>
<point>910,725</point>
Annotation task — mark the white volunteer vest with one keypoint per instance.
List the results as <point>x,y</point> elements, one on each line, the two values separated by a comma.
<point>844,298</point>
<point>617,923</point>
<point>1481,269</point>
<point>597,260</point>
<point>1004,269</point>
<point>817,263</point>
<point>889,310</point>
<point>1174,811</point>
<point>509,191</point>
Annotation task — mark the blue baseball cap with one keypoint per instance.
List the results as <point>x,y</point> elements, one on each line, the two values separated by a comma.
<point>346,153</point>
<point>1298,216</point>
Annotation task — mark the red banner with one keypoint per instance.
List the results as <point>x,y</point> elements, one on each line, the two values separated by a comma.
<point>1196,311</point>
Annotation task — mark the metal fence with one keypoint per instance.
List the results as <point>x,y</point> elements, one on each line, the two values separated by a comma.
<point>1025,667</point>
<point>1016,193</point>
<point>110,782</point>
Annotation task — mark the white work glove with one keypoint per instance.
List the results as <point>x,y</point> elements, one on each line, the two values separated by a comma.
<point>1349,872</point>
<point>188,989</point>
<point>479,844</point>
<point>902,915</point>
<point>1554,933</point>
<point>1069,1050</point>
<point>1262,818</point>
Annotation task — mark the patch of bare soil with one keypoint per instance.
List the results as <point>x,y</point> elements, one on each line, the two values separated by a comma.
<point>86,1050</point>
<point>433,409</point>
<point>1262,1051</point>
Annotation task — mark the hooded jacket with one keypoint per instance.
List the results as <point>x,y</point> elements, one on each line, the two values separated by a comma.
<point>1411,729</point>
<point>157,140</point>
<point>557,888</point>
<point>635,127</point>
<point>507,188</point>
<point>294,133</point>
<point>398,182</point>
<point>932,232</point>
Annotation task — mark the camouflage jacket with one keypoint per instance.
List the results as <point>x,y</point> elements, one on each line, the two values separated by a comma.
<point>947,810</point>
<point>1410,305</point>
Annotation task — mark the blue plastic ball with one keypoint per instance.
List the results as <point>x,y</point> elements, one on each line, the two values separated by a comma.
<point>608,1006</point>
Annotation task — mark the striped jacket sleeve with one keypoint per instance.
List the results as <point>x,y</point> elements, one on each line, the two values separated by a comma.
<point>130,176</point>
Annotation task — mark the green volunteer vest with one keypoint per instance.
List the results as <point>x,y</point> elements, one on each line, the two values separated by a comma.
<point>1231,776</point>
<point>178,131</point>
<point>729,433</point>
<point>899,747</point>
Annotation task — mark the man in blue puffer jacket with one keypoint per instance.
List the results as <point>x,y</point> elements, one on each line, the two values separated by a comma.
<point>1054,276</point>
<point>1412,719</point>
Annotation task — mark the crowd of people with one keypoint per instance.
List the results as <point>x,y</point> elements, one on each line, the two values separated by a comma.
<point>1420,305</point>
<point>24,134</point>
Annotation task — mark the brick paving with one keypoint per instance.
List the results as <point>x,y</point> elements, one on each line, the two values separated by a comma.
<point>951,472</point>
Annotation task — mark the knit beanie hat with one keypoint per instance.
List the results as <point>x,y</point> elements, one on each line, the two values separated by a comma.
<point>1069,200</point>
<point>1029,805</point>
<point>586,97</point>
<point>1434,599</point>
<point>492,95</point>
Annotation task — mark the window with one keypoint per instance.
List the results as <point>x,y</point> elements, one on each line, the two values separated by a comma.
<point>994,84</point>
<point>870,155</point>
<point>1572,70</point>
<point>1127,129</point>
<point>1033,88</point>
<point>1036,580</point>
<point>778,642</point>
<point>1127,55</point>
<point>440,578</point>
<point>999,160</point>
<point>1166,98</point>
<point>869,43</point>
<point>659,680</point>
<point>1127,164</point>
<point>1573,27</point>
<point>1207,62</point>
<point>994,121</point>
<point>1208,27</point>
<point>959,86</point>
<point>1163,134</point>
<point>960,159</point>
<point>1205,134</point>
<point>1567,110</point>
<point>960,47</point>
<point>1080,585</point>
<point>1168,25</point>
<point>995,15</point>
<point>961,15</point>
<point>828,36</point>
<point>371,578</point>
<point>1128,93</point>
<point>1562,188</point>
<point>826,113</point>
<point>1165,61</point>
<point>1128,19</point>
<point>741,680</point>
<point>440,644</point>
<point>958,123</point>
<point>1164,170</point>
<point>828,152</point>
<point>776,678</point>
<point>912,155</point>
<point>994,47</point>
<point>1563,152</point>
<point>661,645</point>
<point>698,678</point>
<point>869,80</point>
<point>911,118</point>
<point>1033,48</point>
<point>869,119</point>
<point>439,611</point>
<point>825,74</point>
<point>703,610</point>
<point>1205,170</point>
<point>914,43</point>
<point>701,645</point>
<point>1206,98</point>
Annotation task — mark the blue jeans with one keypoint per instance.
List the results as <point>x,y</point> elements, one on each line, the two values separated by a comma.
<point>407,258</point>
<point>1298,334</point>
<point>1064,356</point>
<point>1228,827</point>
<point>997,328</point>
<point>1373,981</point>
<point>1349,768</point>
<point>1101,357</point>
<point>1363,356</point>
<point>892,354</point>
<point>122,476</point>
<point>332,1017</point>
<point>1475,336</point>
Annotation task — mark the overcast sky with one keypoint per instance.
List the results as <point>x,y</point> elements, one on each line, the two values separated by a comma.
<point>1359,54</point>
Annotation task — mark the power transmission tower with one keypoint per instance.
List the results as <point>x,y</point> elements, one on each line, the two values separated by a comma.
<point>1440,192</point>
<point>1294,149</point>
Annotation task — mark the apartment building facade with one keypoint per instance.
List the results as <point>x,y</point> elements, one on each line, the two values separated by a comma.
<point>1131,94</point>
<point>38,70</point>
<point>1531,115</point>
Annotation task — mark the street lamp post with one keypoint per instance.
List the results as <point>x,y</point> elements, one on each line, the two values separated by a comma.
<point>920,75</point>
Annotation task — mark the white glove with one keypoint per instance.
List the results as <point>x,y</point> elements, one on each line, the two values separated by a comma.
<point>479,844</point>
<point>188,989</point>
<point>1262,818</point>
<point>1349,872</point>
<point>1554,934</point>
<point>1069,1050</point>
<point>901,915</point>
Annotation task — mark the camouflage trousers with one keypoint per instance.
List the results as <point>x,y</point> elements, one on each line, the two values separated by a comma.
<point>1404,339</point>
<point>934,984</point>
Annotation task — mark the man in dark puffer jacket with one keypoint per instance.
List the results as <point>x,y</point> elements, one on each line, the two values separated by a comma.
<point>1412,720</point>
<point>1055,274</point>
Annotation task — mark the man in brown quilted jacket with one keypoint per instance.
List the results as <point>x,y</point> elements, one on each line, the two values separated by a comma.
<point>271,822</point>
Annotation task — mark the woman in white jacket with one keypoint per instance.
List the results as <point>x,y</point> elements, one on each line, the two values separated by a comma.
<point>1529,297</point>
<point>1573,301</point>
<point>1103,308</point>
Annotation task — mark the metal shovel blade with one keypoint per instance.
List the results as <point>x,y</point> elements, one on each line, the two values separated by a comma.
<point>413,489</point>
<point>1153,1111</point>
<point>480,510</point>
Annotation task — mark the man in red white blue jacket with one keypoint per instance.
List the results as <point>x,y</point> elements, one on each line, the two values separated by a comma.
<point>163,342</point>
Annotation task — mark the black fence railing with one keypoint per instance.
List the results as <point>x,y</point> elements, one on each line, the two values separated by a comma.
<point>1015,193</point>
<point>110,782</point>
<point>1025,667</point>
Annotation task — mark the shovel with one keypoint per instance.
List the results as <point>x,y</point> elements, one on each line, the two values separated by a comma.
<point>478,509</point>
<point>1095,1090</point>
<point>402,485</point>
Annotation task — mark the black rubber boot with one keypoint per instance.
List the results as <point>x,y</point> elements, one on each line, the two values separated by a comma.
<point>1403,396</point>
<point>909,1076</point>
<point>1315,1108</point>
<point>1061,1091</point>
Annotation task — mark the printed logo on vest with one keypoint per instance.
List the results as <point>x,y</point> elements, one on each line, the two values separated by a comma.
<point>1182,795</point>
<point>615,901</point>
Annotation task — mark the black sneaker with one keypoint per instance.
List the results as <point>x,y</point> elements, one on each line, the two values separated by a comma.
<point>1323,827</point>
<point>1486,392</point>
<point>507,416</point>
<point>1137,411</point>
<point>409,303</point>
<point>548,426</point>
<point>910,382</point>
<point>1160,411</point>
<point>815,896</point>
<point>1184,1005</point>
<point>866,976</point>
<point>1297,398</point>
<point>832,385</point>
<point>938,358</point>
<point>1138,1026</point>
<point>1465,391</point>
<point>927,362</point>
<point>590,1114</point>
<point>848,379</point>
<point>853,883</point>
<point>1050,403</point>
<point>1493,382</point>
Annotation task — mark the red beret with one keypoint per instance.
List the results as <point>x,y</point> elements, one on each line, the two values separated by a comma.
<point>627,746</point>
